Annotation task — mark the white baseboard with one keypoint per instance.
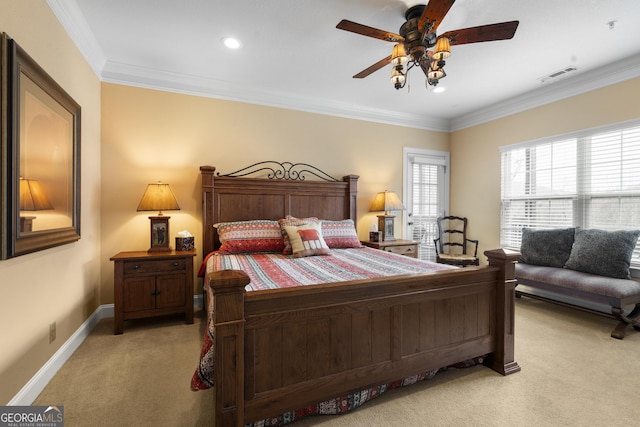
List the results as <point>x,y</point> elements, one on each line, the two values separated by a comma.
<point>28,394</point>
<point>198,301</point>
<point>38,382</point>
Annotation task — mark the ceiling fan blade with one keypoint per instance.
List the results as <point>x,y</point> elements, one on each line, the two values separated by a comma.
<point>375,67</point>
<point>434,13</point>
<point>354,27</point>
<point>483,33</point>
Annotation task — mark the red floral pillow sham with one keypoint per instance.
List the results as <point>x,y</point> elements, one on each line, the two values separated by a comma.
<point>340,234</point>
<point>250,236</point>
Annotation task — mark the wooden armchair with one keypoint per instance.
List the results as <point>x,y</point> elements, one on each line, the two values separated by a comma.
<point>451,245</point>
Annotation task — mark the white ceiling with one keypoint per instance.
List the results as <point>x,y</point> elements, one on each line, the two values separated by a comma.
<point>294,57</point>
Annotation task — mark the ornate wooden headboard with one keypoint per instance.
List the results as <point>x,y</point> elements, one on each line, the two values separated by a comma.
<point>284,191</point>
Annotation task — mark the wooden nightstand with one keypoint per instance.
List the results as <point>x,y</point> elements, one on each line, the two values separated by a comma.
<point>402,247</point>
<point>152,284</point>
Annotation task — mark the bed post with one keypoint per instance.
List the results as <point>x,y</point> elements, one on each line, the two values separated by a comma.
<point>351,202</point>
<point>227,287</point>
<point>503,358</point>
<point>207,173</point>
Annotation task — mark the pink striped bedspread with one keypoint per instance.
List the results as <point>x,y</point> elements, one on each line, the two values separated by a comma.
<point>271,271</point>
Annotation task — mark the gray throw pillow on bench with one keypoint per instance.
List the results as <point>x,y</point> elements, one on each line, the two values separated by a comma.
<point>605,253</point>
<point>550,248</point>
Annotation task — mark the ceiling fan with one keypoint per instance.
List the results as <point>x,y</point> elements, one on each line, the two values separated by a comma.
<point>418,35</point>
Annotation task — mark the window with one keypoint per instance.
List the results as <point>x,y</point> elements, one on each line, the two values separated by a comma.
<point>589,179</point>
<point>426,196</point>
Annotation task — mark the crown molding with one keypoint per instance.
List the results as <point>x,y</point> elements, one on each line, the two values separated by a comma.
<point>131,75</point>
<point>72,20</point>
<point>616,72</point>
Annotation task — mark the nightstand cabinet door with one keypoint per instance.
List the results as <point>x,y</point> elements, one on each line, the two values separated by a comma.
<point>170,291</point>
<point>139,294</point>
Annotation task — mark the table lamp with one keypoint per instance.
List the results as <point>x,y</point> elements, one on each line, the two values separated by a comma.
<point>32,198</point>
<point>386,201</point>
<point>159,197</point>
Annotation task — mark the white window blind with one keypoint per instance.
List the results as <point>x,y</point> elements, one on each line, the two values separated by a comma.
<point>590,180</point>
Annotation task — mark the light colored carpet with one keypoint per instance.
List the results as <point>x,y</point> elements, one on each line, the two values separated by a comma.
<point>573,374</point>
<point>140,378</point>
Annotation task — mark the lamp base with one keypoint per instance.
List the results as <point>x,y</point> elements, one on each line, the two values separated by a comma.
<point>26,224</point>
<point>159,234</point>
<point>385,226</point>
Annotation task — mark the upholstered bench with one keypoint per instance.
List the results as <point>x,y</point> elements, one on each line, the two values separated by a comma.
<point>587,265</point>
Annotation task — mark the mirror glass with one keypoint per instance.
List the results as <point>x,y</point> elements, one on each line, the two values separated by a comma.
<point>46,161</point>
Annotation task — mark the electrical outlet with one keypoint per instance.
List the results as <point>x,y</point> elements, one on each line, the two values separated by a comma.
<point>52,332</point>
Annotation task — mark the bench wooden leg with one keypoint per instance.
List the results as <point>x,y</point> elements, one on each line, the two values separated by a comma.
<point>632,319</point>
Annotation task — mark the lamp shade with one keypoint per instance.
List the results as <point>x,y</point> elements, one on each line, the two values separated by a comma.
<point>399,55</point>
<point>32,197</point>
<point>158,197</point>
<point>435,74</point>
<point>443,49</point>
<point>397,78</point>
<point>386,201</point>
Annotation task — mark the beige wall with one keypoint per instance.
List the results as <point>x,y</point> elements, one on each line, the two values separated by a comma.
<point>150,135</point>
<point>475,152</point>
<point>59,284</point>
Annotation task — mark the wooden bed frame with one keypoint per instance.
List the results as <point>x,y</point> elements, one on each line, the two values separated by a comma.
<point>283,349</point>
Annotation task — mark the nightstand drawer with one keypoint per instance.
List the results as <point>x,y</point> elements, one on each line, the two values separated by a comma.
<point>401,247</point>
<point>142,267</point>
<point>409,250</point>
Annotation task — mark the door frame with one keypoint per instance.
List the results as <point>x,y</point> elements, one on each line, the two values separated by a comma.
<point>408,152</point>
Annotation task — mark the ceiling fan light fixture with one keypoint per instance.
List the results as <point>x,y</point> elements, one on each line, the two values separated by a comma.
<point>417,35</point>
<point>399,55</point>
<point>443,49</point>
<point>435,74</point>
<point>397,77</point>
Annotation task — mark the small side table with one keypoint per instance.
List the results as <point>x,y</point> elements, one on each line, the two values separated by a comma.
<point>403,247</point>
<point>152,284</point>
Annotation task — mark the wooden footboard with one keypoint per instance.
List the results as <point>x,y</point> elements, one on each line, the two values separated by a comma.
<point>283,349</point>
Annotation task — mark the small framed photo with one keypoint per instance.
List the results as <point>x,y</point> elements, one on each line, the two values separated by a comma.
<point>159,234</point>
<point>375,236</point>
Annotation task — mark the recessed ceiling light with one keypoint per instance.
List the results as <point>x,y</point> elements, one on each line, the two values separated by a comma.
<point>439,89</point>
<point>231,43</point>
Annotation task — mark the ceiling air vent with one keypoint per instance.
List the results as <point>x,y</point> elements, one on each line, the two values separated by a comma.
<point>557,74</point>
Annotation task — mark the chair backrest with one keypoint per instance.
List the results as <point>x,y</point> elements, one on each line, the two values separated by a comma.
<point>452,231</point>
